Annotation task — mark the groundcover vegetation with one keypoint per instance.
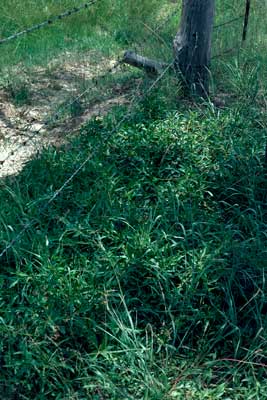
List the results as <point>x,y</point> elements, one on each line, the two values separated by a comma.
<point>145,278</point>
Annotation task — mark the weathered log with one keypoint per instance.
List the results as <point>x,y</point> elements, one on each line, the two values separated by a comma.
<point>151,67</point>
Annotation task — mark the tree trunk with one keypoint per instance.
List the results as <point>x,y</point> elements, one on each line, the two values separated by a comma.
<point>192,44</point>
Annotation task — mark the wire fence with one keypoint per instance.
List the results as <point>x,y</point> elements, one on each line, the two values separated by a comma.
<point>232,31</point>
<point>235,27</point>
<point>136,99</point>
<point>85,6</point>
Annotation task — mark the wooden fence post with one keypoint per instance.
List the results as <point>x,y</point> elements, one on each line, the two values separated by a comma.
<point>246,19</point>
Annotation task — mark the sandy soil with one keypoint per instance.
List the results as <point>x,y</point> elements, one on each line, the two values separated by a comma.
<point>25,130</point>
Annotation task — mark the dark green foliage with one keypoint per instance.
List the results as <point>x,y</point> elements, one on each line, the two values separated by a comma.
<point>155,251</point>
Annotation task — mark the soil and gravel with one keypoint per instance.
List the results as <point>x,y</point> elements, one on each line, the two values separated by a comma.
<point>54,106</point>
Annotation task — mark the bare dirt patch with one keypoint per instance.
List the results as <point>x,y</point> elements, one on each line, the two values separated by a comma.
<point>49,105</point>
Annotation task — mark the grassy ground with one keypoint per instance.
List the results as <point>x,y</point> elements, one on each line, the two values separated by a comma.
<point>145,278</point>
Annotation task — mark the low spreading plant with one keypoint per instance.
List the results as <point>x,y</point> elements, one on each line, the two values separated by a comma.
<point>147,270</point>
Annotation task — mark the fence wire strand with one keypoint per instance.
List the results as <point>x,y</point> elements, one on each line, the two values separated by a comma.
<point>49,21</point>
<point>230,21</point>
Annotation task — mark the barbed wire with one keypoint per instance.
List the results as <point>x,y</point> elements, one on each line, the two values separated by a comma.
<point>50,120</point>
<point>136,100</point>
<point>175,12</point>
<point>230,21</point>
<point>49,21</point>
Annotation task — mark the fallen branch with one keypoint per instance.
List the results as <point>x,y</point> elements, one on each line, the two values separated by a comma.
<point>151,67</point>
